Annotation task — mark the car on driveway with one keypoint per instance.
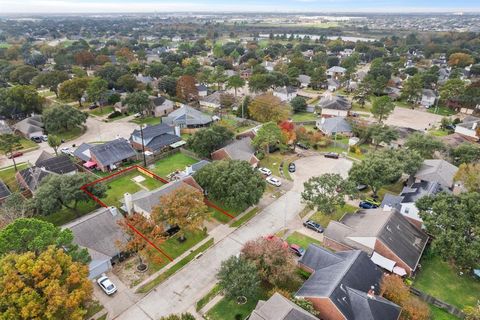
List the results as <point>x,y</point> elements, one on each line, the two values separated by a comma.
<point>292,167</point>
<point>15,154</point>
<point>274,181</point>
<point>265,171</point>
<point>37,139</point>
<point>367,205</point>
<point>309,224</point>
<point>302,146</point>
<point>107,285</point>
<point>297,250</point>
<point>68,151</point>
<point>332,155</point>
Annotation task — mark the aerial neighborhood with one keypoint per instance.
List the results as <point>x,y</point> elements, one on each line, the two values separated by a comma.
<point>240,166</point>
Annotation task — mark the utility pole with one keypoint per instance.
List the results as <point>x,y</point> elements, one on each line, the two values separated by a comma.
<point>143,146</point>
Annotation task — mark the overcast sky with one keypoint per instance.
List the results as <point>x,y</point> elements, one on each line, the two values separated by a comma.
<point>110,6</point>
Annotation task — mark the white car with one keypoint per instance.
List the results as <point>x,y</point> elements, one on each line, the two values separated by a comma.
<point>274,181</point>
<point>67,151</point>
<point>107,286</point>
<point>265,171</point>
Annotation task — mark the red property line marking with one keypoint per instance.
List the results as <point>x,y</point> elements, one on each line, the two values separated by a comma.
<point>149,242</point>
<point>210,204</point>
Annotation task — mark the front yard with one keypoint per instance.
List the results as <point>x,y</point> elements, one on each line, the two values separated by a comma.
<point>302,240</point>
<point>324,219</point>
<point>273,161</point>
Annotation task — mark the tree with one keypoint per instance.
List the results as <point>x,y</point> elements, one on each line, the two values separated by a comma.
<point>183,316</point>
<point>51,80</point>
<point>382,107</point>
<point>128,82</point>
<point>183,207</point>
<point>57,191</point>
<point>84,58</point>
<point>424,144</point>
<point>273,261</point>
<point>411,160</point>
<point>20,99</point>
<point>205,141</point>
<point>63,118</point>
<point>412,88</point>
<point>465,153</point>
<point>48,285</point>
<point>23,74</point>
<point>186,88</point>
<point>138,102</point>
<point>73,89</point>
<point>269,136</point>
<point>235,82</point>
<point>14,207</point>
<point>233,182</point>
<point>54,142</point>
<point>327,192</point>
<point>299,104</point>
<point>258,83</point>
<point>455,221</point>
<point>460,60</point>
<point>23,235</point>
<point>376,170</point>
<point>469,175</point>
<point>238,277</point>
<point>168,85</point>
<point>267,107</point>
<point>97,90</point>
<point>8,144</point>
<point>382,134</point>
<point>452,89</point>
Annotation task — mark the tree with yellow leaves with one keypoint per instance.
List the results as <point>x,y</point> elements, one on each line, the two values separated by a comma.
<point>49,285</point>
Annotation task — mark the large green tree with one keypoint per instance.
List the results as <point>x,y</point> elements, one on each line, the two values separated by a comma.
<point>206,141</point>
<point>465,153</point>
<point>63,118</point>
<point>452,89</point>
<point>455,222</point>
<point>54,142</point>
<point>73,89</point>
<point>23,235</point>
<point>20,99</point>
<point>50,79</point>
<point>233,182</point>
<point>268,136</point>
<point>299,104</point>
<point>238,277</point>
<point>412,88</point>
<point>424,144</point>
<point>138,102</point>
<point>382,107</point>
<point>327,191</point>
<point>235,82</point>
<point>382,134</point>
<point>8,144</point>
<point>97,90</point>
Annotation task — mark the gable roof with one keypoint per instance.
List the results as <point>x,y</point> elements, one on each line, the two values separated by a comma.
<point>187,115</point>
<point>29,125</point>
<point>335,273</point>
<point>60,164</point>
<point>83,151</point>
<point>329,101</point>
<point>303,78</point>
<point>4,191</point>
<point>153,131</point>
<point>437,170</point>
<point>240,149</point>
<point>33,177</point>
<point>337,69</point>
<point>213,98</point>
<point>333,125</point>
<point>99,231</point>
<point>279,308</point>
<point>112,152</point>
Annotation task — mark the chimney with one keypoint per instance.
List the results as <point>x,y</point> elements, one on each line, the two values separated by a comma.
<point>371,293</point>
<point>322,121</point>
<point>474,126</point>
<point>127,197</point>
<point>189,170</point>
<point>113,211</point>
<point>177,131</point>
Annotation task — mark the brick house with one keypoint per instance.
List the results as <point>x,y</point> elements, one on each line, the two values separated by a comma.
<point>393,242</point>
<point>108,156</point>
<point>240,149</point>
<point>156,138</point>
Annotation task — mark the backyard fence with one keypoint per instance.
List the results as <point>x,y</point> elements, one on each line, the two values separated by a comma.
<point>438,303</point>
<point>306,123</point>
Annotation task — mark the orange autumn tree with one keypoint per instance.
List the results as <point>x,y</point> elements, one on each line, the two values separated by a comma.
<point>45,286</point>
<point>288,129</point>
<point>183,207</point>
<point>186,88</point>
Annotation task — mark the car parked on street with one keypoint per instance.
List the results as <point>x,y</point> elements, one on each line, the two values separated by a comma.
<point>367,205</point>
<point>297,250</point>
<point>274,181</point>
<point>332,155</point>
<point>15,154</point>
<point>309,224</point>
<point>291,167</point>
<point>45,138</point>
<point>107,285</point>
<point>265,171</point>
<point>68,151</point>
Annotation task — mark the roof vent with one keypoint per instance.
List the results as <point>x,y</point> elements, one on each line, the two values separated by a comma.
<point>389,229</point>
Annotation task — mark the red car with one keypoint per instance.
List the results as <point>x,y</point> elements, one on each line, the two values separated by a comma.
<point>15,155</point>
<point>297,250</point>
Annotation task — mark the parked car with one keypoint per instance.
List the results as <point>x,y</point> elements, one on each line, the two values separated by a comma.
<point>367,205</point>
<point>265,171</point>
<point>15,155</point>
<point>274,181</point>
<point>309,224</point>
<point>45,138</point>
<point>107,286</point>
<point>66,150</point>
<point>302,146</point>
<point>361,187</point>
<point>37,139</point>
<point>172,230</point>
<point>332,155</point>
<point>295,248</point>
<point>137,115</point>
<point>292,167</point>
<point>373,201</point>
<point>93,106</point>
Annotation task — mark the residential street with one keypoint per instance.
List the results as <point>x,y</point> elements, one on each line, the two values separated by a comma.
<point>181,291</point>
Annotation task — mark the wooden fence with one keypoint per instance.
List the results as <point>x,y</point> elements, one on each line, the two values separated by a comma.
<point>438,303</point>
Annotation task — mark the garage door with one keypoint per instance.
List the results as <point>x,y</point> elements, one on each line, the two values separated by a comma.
<point>97,267</point>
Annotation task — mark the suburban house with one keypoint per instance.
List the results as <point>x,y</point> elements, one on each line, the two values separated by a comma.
<point>334,106</point>
<point>101,235</point>
<point>146,80</point>
<point>334,125</point>
<point>268,65</point>
<point>4,191</point>
<point>202,90</point>
<point>285,93</point>
<point>304,80</point>
<point>156,138</point>
<point>47,164</point>
<point>188,117</point>
<point>106,156</point>
<point>336,72</point>
<point>246,74</point>
<point>469,127</point>
<point>333,84</point>
<point>144,201</point>
<point>393,92</point>
<point>344,286</point>
<point>161,106</point>
<point>405,202</point>
<point>279,308</point>
<point>439,171</point>
<point>4,128</point>
<point>387,236</point>
<point>30,127</point>
<point>212,100</point>
<point>428,98</point>
<point>240,149</point>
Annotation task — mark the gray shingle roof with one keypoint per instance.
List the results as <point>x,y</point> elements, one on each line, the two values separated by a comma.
<point>334,102</point>
<point>334,125</point>
<point>4,191</point>
<point>436,170</point>
<point>83,151</point>
<point>153,131</point>
<point>60,165</point>
<point>241,149</point>
<point>187,115</point>
<point>279,308</point>
<point>33,177</point>
<point>112,152</point>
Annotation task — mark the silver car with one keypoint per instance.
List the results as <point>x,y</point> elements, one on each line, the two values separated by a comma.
<point>107,286</point>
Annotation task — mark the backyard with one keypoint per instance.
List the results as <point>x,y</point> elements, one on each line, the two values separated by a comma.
<point>7,175</point>
<point>66,215</point>
<point>304,116</point>
<point>177,161</point>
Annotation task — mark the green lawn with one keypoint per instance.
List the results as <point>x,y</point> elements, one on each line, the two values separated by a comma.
<point>439,133</point>
<point>441,110</point>
<point>230,310</point>
<point>66,215</point>
<point>147,120</point>
<point>302,240</point>
<point>304,116</point>
<point>7,175</point>
<point>272,161</point>
<point>102,111</point>
<point>324,219</point>
<point>27,144</point>
<point>219,216</point>
<point>394,188</point>
<point>341,151</point>
<point>208,297</point>
<point>245,218</point>
<point>177,161</point>
<point>93,309</point>
<point>71,134</point>
<point>439,314</point>
<point>441,280</point>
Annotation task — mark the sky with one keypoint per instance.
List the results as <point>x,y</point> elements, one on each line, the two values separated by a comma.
<point>118,6</point>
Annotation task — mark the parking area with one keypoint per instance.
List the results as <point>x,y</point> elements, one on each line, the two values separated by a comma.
<point>414,119</point>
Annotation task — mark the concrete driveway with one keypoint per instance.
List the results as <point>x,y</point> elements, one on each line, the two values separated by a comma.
<point>414,119</point>
<point>181,291</point>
